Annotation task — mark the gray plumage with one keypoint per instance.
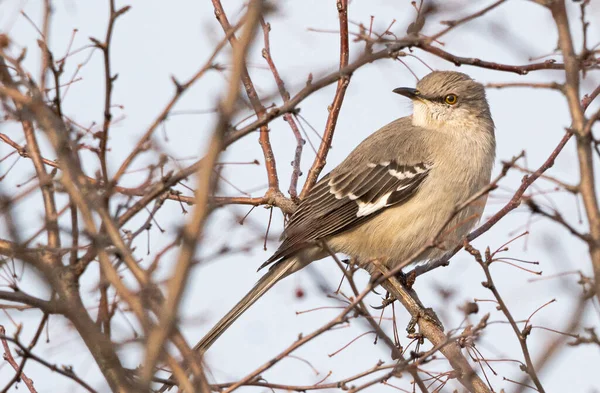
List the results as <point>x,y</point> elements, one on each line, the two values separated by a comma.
<point>395,191</point>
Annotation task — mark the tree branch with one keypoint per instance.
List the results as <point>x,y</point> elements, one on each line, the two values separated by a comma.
<point>334,110</point>
<point>206,183</point>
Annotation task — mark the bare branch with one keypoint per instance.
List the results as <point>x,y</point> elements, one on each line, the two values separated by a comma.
<point>206,183</point>
<point>334,110</point>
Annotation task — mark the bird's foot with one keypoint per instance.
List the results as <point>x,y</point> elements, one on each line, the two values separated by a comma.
<point>407,280</point>
<point>427,314</point>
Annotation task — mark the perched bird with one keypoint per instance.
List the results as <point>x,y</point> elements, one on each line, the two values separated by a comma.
<point>395,191</point>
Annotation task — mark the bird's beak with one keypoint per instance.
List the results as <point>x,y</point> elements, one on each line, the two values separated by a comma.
<point>407,92</point>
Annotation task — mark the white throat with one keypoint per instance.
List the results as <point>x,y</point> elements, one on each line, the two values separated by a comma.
<point>435,116</point>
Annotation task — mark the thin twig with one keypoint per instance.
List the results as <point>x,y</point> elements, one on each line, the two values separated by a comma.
<point>259,109</point>
<point>334,110</point>
<point>206,183</point>
<point>20,374</point>
<point>521,334</point>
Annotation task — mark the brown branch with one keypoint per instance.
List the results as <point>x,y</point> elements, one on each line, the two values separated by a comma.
<point>433,331</point>
<point>258,107</point>
<point>589,98</point>
<point>11,360</point>
<point>341,384</point>
<point>64,279</point>
<point>550,85</point>
<point>518,69</point>
<point>569,187</point>
<point>47,306</point>
<point>550,349</point>
<point>206,184</point>
<point>109,80</point>
<point>179,375</point>
<point>443,344</point>
<point>29,348</point>
<point>362,308</point>
<point>584,139</point>
<point>130,191</point>
<point>23,151</point>
<point>286,205</point>
<point>469,333</point>
<point>34,152</point>
<point>43,42</point>
<point>99,344</point>
<point>285,95</point>
<point>341,318</point>
<point>521,334</point>
<point>296,171</point>
<point>67,372</point>
<point>557,218</point>
<point>334,110</point>
<point>592,338</point>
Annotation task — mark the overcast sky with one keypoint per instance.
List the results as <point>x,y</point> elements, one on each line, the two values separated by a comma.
<point>157,39</point>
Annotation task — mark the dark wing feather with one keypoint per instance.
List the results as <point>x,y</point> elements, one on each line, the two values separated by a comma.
<point>339,202</point>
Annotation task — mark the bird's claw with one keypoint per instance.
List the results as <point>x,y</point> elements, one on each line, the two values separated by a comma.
<point>384,303</point>
<point>427,314</point>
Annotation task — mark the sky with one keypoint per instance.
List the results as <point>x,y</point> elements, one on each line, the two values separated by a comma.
<point>156,40</point>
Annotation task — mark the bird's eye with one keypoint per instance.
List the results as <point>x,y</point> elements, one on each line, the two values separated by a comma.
<point>451,99</point>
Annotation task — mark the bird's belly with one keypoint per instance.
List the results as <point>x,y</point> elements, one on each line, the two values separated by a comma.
<point>398,233</point>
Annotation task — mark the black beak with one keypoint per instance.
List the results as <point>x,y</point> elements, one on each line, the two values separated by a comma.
<point>407,92</point>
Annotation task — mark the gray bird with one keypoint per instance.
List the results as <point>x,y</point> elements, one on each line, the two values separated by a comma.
<point>395,191</point>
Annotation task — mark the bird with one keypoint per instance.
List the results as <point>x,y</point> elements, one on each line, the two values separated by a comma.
<point>395,191</point>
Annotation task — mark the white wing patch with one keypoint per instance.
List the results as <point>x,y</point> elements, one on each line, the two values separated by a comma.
<point>364,209</point>
<point>401,175</point>
<point>405,174</point>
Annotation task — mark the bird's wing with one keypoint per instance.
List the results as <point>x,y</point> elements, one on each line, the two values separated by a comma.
<point>343,199</point>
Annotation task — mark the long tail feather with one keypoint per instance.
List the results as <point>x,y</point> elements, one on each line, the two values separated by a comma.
<point>266,282</point>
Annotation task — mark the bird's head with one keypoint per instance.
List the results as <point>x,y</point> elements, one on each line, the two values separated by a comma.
<point>445,99</point>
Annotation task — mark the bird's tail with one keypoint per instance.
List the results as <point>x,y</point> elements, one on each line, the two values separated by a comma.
<point>266,282</point>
